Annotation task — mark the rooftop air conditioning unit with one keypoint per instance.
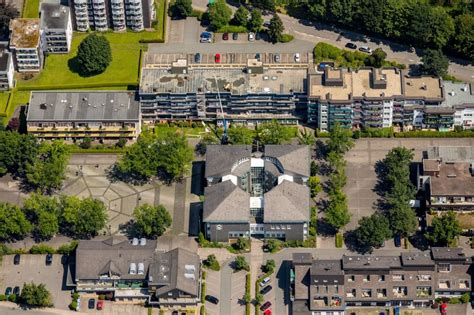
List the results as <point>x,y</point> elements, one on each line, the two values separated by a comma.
<point>133,269</point>
<point>135,241</point>
<point>142,241</point>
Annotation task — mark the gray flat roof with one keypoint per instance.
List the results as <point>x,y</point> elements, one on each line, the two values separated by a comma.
<point>458,94</point>
<point>446,253</point>
<point>83,106</point>
<point>233,80</point>
<point>451,153</point>
<point>54,16</point>
<point>369,262</point>
<point>417,259</point>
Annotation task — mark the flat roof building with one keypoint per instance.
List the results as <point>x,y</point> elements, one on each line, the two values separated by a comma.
<point>56,27</point>
<point>25,43</point>
<point>71,115</point>
<point>6,67</point>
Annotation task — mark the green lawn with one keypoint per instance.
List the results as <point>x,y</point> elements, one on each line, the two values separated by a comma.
<point>3,101</point>
<point>30,9</point>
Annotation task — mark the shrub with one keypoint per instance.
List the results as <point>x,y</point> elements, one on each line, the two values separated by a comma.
<point>101,297</point>
<point>12,298</point>
<point>121,143</point>
<point>75,296</point>
<point>3,297</point>
<point>67,249</point>
<point>339,240</point>
<point>73,305</point>
<point>285,38</point>
<point>465,298</point>
<point>86,143</point>
<point>454,300</point>
<point>269,266</point>
<point>42,249</point>
<point>203,292</point>
<point>203,310</point>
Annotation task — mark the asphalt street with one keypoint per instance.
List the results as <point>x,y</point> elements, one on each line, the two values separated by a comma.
<point>311,33</point>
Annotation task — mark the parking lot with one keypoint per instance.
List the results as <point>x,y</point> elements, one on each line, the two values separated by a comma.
<point>113,308</point>
<point>33,268</point>
<point>213,286</point>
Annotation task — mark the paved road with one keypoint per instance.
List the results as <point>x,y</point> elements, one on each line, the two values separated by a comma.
<point>312,33</point>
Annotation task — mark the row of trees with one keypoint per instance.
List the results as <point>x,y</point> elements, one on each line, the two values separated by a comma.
<point>337,213</point>
<point>45,216</point>
<point>41,166</point>
<point>414,21</point>
<point>166,154</point>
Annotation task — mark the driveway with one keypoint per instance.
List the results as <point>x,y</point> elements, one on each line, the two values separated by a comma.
<point>213,287</point>
<point>32,268</point>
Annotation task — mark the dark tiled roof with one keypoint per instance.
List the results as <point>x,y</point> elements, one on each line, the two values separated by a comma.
<point>417,259</point>
<point>302,258</point>
<point>327,267</point>
<point>221,158</point>
<point>446,253</point>
<point>226,202</point>
<point>294,158</point>
<point>287,202</point>
<point>176,269</point>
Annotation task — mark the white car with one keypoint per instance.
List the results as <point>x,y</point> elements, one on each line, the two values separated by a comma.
<point>297,57</point>
<point>365,49</point>
<point>251,37</point>
<point>264,282</point>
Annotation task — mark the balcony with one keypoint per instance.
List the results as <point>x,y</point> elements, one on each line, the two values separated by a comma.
<point>381,293</point>
<point>424,277</point>
<point>464,284</point>
<point>444,284</point>
<point>423,291</point>
<point>320,301</point>
<point>336,301</point>
<point>400,292</point>
<point>366,293</point>
<point>351,293</point>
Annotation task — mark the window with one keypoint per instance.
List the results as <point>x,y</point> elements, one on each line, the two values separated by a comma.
<point>351,279</point>
<point>381,278</point>
<point>366,278</point>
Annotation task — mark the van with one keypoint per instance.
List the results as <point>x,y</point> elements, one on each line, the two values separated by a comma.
<point>264,282</point>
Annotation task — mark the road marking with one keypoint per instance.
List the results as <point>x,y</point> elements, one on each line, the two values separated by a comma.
<point>306,34</point>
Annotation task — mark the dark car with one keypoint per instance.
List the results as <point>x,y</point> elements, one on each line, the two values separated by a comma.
<point>212,299</point>
<point>235,36</point>
<point>397,240</point>
<point>16,259</point>
<point>197,58</point>
<point>91,304</point>
<point>258,36</point>
<point>16,291</point>
<point>265,290</point>
<point>257,56</point>
<point>175,313</point>
<point>49,259</point>
<point>265,306</point>
<point>225,36</point>
<point>351,45</point>
<point>8,291</point>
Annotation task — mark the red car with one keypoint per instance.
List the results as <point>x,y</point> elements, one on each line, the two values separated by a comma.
<point>217,58</point>
<point>267,312</point>
<point>100,305</point>
<point>225,36</point>
<point>443,308</point>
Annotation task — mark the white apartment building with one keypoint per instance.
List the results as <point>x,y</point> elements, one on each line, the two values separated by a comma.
<point>118,15</point>
<point>56,28</point>
<point>460,97</point>
<point>6,67</point>
<point>25,43</point>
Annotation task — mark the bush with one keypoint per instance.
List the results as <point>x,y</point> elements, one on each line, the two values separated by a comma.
<point>454,300</point>
<point>12,298</point>
<point>101,297</point>
<point>212,263</point>
<point>42,249</point>
<point>232,29</point>
<point>73,305</point>
<point>75,296</point>
<point>203,292</point>
<point>3,297</point>
<point>67,249</point>
<point>285,38</point>
<point>465,298</point>
<point>121,143</point>
<point>339,240</point>
<point>203,310</point>
<point>86,143</point>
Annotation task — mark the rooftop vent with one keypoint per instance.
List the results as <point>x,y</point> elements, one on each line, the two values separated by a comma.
<point>190,268</point>
<point>143,241</point>
<point>189,276</point>
<point>451,175</point>
<point>133,269</point>
<point>141,268</point>
<point>135,241</point>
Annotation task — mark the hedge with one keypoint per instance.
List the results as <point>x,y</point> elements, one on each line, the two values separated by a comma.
<point>78,86</point>
<point>247,291</point>
<point>339,240</point>
<point>203,292</point>
<point>285,38</point>
<point>42,249</point>
<point>232,29</point>
<point>434,134</point>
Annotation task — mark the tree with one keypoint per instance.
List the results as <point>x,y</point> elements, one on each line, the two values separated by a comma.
<point>36,295</point>
<point>336,161</point>
<point>402,220</point>
<point>269,266</point>
<point>306,137</point>
<point>219,14</point>
<point>212,263</point>
<point>444,229</point>
<point>315,186</point>
<point>82,218</point>
<point>240,135</point>
<point>241,263</point>
<point>13,223</point>
<point>272,133</point>
<point>337,214</point>
<point>151,221</point>
<point>373,231</point>
<point>256,20</point>
<point>7,12</point>
<point>377,58</point>
<point>48,225</point>
<point>16,151</point>
<point>14,124</point>
<point>42,211</point>
<point>314,168</point>
<point>47,171</point>
<point>243,243</point>
<point>181,9</point>
<point>463,39</point>
<point>434,63</point>
<point>86,143</point>
<point>429,26</point>
<point>241,16</point>
<point>94,55</point>
<point>276,28</point>
<point>266,5</point>
<point>340,140</point>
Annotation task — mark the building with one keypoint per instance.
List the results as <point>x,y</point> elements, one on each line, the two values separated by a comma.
<point>6,67</point>
<point>414,279</point>
<point>118,15</point>
<point>256,193</point>
<point>25,43</point>
<point>104,116</point>
<point>249,91</point>
<point>56,28</point>
<point>460,96</point>
<point>447,178</point>
<point>136,272</point>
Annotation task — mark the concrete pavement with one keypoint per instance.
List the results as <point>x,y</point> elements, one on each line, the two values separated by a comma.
<point>312,33</point>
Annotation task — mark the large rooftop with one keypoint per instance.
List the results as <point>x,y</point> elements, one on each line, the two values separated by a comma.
<point>54,16</point>
<point>25,33</point>
<point>451,153</point>
<point>458,94</point>
<point>370,262</point>
<point>453,179</point>
<point>233,80</point>
<point>83,106</point>
<point>424,87</point>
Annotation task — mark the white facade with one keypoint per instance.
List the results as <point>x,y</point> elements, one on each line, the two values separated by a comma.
<point>134,14</point>
<point>55,28</point>
<point>6,67</point>
<point>464,116</point>
<point>118,15</point>
<point>81,15</point>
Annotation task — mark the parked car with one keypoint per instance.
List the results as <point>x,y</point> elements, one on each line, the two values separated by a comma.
<point>49,259</point>
<point>265,290</point>
<point>8,291</point>
<point>225,36</point>
<point>91,304</point>
<point>365,49</point>
<point>217,58</point>
<point>16,291</point>
<point>264,282</point>
<point>16,259</point>
<point>277,58</point>
<point>206,37</point>
<point>351,46</point>
<point>265,306</point>
<point>257,36</point>
<point>197,58</point>
<point>257,56</point>
<point>212,299</point>
<point>267,312</point>
<point>297,57</point>
<point>100,305</point>
<point>175,313</point>
<point>397,240</point>
<point>266,23</point>
<point>251,37</point>
<point>235,36</point>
